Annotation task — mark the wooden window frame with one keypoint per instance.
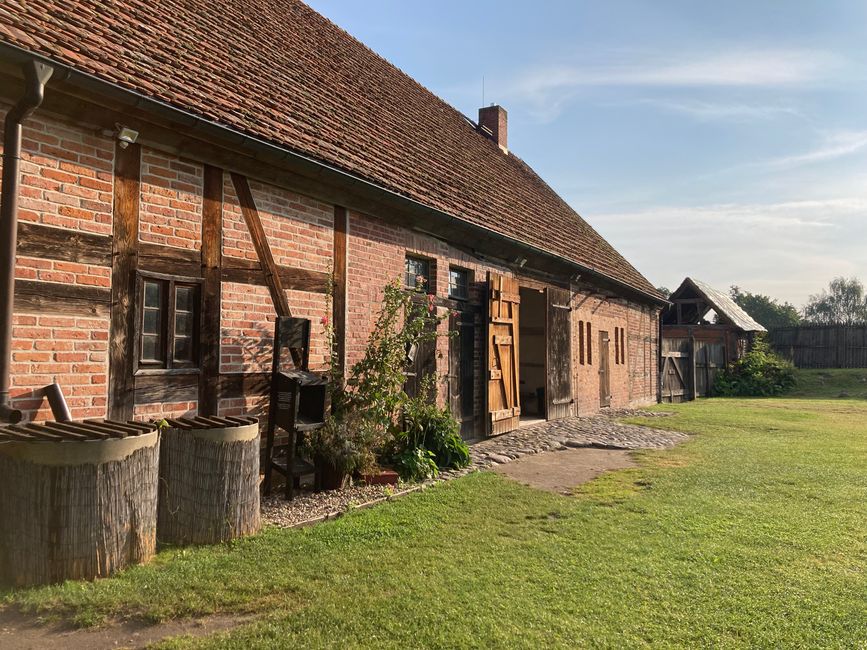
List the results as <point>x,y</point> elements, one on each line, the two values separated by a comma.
<point>430,285</point>
<point>581,342</point>
<point>617,346</point>
<point>589,338</point>
<point>168,366</point>
<point>622,346</point>
<point>469,280</point>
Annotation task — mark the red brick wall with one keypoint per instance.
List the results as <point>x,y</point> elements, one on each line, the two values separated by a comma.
<point>633,382</point>
<point>170,212</point>
<point>66,182</point>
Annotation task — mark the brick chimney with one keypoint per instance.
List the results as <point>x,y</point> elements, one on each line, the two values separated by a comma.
<point>492,121</point>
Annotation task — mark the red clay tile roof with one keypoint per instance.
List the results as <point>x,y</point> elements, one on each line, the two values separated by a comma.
<point>277,70</point>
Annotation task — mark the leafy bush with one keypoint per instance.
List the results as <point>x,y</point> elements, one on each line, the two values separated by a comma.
<point>416,464</point>
<point>344,443</point>
<point>429,433</point>
<point>760,373</point>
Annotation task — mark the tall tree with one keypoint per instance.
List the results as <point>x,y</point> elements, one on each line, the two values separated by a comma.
<point>843,303</point>
<point>765,310</point>
<point>665,291</point>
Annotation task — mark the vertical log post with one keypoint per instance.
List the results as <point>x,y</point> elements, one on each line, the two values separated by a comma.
<point>212,262</point>
<point>124,261</point>
<point>338,319</point>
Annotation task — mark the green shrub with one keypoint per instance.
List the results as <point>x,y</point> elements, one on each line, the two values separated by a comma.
<point>416,464</point>
<point>428,432</point>
<point>760,373</point>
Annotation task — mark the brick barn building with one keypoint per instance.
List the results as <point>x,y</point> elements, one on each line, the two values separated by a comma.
<point>188,170</point>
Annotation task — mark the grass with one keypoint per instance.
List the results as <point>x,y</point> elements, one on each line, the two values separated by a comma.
<point>848,383</point>
<point>753,534</point>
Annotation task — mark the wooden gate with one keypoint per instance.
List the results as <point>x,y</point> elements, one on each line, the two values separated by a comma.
<point>558,368</point>
<point>504,410</point>
<point>461,374</point>
<point>710,358</point>
<point>604,370</point>
<point>675,370</point>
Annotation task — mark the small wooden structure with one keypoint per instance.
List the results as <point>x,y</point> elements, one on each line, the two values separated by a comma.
<point>299,403</point>
<point>79,499</point>
<point>694,348</point>
<point>209,480</point>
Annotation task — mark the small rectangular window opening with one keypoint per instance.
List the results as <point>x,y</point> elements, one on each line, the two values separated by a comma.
<point>459,283</point>
<point>417,273</point>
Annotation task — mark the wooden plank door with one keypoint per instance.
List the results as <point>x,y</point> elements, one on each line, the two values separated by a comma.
<point>461,371</point>
<point>421,362</point>
<point>504,406</point>
<point>558,356</point>
<point>604,369</point>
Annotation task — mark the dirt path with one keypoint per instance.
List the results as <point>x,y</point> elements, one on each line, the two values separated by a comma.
<point>22,632</point>
<point>560,471</point>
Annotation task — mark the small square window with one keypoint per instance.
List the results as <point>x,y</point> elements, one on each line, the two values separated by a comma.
<point>459,283</point>
<point>169,323</point>
<point>417,273</point>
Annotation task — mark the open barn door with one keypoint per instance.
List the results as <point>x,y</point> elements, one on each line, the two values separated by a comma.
<point>558,361</point>
<point>504,410</point>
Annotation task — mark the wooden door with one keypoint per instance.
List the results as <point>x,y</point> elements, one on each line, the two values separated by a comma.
<point>675,369</point>
<point>461,373</point>
<point>709,360</point>
<point>558,361</point>
<point>421,362</point>
<point>604,370</point>
<point>504,406</point>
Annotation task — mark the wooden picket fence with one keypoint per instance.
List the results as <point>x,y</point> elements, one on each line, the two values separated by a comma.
<point>822,346</point>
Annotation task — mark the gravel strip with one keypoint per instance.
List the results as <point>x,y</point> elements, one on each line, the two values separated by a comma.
<point>313,505</point>
<point>601,431</point>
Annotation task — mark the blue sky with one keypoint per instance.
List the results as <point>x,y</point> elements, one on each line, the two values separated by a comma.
<point>722,140</point>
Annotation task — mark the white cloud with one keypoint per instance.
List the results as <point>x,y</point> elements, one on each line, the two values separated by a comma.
<point>710,111</point>
<point>835,145</point>
<point>787,249</point>
<point>547,88</point>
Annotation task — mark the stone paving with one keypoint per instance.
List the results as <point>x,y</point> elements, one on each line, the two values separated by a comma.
<point>601,431</point>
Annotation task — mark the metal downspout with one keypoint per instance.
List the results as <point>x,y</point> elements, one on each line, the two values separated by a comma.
<point>36,75</point>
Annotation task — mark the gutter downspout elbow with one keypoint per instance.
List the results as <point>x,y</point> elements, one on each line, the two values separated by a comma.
<point>36,75</point>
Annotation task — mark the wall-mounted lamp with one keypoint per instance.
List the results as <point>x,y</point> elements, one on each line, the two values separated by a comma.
<point>520,262</point>
<point>125,135</point>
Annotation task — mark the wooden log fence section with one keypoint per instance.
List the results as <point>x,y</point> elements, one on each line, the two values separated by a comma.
<point>822,346</point>
<point>209,480</point>
<point>79,499</point>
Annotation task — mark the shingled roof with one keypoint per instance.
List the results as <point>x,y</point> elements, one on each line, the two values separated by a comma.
<point>279,71</point>
<point>720,302</point>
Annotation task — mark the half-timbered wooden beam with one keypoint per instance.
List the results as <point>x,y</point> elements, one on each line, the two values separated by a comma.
<point>212,262</point>
<point>37,240</point>
<point>34,296</point>
<point>121,347</point>
<point>260,243</point>
<point>339,283</point>
<point>263,252</point>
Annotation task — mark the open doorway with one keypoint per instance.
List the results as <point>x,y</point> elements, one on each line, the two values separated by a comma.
<point>532,344</point>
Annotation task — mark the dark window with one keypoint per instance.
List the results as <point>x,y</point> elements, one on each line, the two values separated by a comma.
<point>581,342</point>
<point>459,283</point>
<point>617,346</point>
<point>589,344</point>
<point>622,346</point>
<point>417,274</point>
<point>169,323</point>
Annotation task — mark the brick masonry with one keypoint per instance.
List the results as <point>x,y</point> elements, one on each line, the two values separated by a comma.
<point>67,181</point>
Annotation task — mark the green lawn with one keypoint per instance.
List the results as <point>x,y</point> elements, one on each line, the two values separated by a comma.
<point>754,533</point>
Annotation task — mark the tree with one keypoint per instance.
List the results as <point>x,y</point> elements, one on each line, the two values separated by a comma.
<point>765,310</point>
<point>843,303</point>
<point>665,291</point>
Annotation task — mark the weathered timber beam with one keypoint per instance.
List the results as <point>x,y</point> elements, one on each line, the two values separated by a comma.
<point>250,272</point>
<point>37,240</point>
<point>121,340</point>
<point>152,389</point>
<point>34,296</point>
<point>169,260</point>
<point>211,270</point>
